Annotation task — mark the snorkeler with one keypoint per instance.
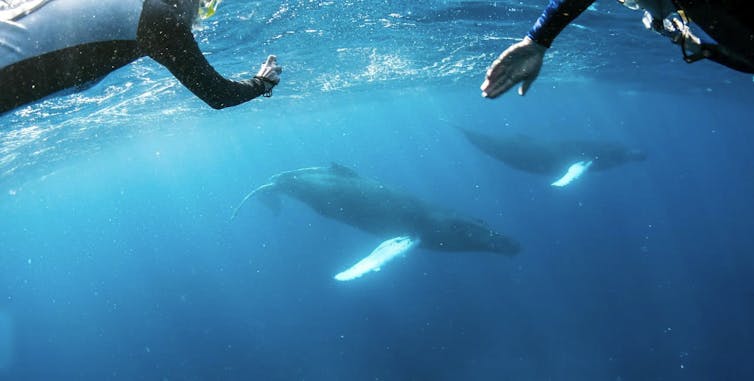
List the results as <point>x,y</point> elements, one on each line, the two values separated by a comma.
<point>51,45</point>
<point>728,22</point>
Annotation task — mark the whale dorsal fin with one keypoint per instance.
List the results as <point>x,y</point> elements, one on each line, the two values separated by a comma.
<point>343,170</point>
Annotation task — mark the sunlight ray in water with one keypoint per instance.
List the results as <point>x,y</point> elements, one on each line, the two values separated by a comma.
<point>118,262</point>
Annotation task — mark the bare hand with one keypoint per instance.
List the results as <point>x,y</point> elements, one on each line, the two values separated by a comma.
<point>270,71</point>
<point>519,63</point>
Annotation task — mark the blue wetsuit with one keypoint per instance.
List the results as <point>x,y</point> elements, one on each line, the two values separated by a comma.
<point>729,22</point>
<point>58,44</point>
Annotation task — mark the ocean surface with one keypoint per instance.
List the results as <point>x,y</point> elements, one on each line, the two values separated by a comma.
<point>118,259</point>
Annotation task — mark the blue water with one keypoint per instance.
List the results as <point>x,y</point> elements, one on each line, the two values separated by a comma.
<point>119,262</point>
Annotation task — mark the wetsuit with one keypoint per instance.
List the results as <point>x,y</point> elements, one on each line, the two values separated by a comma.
<point>729,22</point>
<point>61,44</point>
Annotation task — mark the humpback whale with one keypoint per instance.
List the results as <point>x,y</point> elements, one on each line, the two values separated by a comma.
<point>566,159</point>
<point>338,192</point>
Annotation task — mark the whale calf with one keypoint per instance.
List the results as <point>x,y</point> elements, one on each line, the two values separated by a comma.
<point>340,193</point>
<point>553,158</point>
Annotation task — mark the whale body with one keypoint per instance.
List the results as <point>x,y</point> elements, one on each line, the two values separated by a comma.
<point>550,157</point>
<point>340,193</point>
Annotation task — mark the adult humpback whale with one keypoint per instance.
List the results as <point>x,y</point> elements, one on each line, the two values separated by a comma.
<point>342,194</point>
<point>568,159</point>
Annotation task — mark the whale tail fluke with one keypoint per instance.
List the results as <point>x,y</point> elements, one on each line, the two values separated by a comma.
<point>265,194</point>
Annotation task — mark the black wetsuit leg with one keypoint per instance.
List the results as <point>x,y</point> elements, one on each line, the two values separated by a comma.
<point>163,36</point>
<point>37,77</point>
<point>731,24</point>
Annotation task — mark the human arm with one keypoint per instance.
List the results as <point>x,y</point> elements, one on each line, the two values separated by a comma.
<point>165,36</point>
<point>521,62</point>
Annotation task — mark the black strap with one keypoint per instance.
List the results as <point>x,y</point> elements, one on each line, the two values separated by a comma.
<point>266,81</point>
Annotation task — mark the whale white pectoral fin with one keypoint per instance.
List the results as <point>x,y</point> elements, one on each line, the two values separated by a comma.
<point>574,172</point>
<point>383,254</point>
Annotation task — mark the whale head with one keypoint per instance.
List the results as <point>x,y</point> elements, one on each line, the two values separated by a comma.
<point>493,242</point>
<point>464,234</point>
<point>636,155</point>
<point>613,155</point>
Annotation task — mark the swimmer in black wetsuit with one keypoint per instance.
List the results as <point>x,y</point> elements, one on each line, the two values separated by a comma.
<point>729,22</point>
<point>51,45</point>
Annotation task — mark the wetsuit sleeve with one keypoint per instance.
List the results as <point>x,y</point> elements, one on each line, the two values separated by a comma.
<point>557,15</point>
<point>166,38</point>
<point>731,25</point>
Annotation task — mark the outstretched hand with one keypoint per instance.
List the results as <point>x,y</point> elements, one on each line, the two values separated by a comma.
<point>269,73</point>
<point>519,63</point>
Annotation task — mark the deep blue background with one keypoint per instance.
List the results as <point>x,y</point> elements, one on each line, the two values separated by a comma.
<point>119,262</point>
